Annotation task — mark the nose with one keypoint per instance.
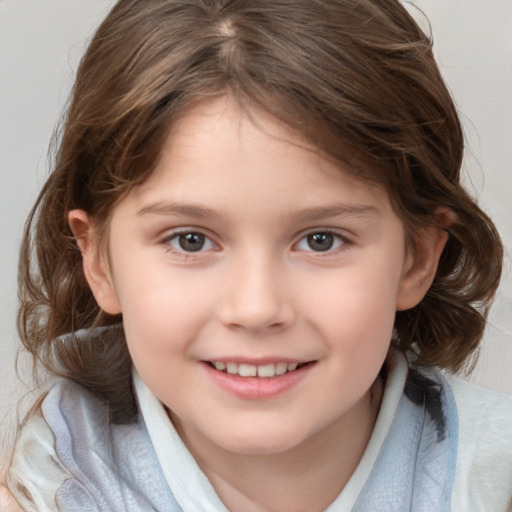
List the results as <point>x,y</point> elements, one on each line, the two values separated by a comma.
<point>256,297</point>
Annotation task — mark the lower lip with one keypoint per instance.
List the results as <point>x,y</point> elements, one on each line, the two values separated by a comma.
<point>257,388</point>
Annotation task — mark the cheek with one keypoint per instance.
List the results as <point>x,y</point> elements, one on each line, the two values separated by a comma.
<point>356,309</point>
<point>356,292</point>
<point>163,308</point>
<point>161,314</point>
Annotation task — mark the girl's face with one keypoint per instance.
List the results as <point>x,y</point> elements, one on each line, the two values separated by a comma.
<point>258,283</point>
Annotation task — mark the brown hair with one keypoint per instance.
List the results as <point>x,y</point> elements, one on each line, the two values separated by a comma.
<point>356,74</point>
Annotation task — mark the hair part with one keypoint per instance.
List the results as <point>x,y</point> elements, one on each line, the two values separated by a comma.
<point>357,79</point>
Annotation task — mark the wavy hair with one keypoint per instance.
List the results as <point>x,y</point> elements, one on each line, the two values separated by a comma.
<point>356,74</point>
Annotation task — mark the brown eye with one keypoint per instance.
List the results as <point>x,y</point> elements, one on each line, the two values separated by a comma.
<point>320,242</point>
<point>190,242</point>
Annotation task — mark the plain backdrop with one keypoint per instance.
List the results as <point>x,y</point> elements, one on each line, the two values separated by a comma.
<point>41,42</point>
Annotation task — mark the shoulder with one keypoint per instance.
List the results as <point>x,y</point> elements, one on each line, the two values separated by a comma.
<point>70,455</point>
<point>485,418</point>
<point>483,475</point>
<point>36,471</point>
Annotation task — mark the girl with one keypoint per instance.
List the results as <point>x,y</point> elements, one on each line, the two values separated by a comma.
<point>248,268</point>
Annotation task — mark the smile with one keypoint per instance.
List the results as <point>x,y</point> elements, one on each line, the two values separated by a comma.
<point>249,370</point>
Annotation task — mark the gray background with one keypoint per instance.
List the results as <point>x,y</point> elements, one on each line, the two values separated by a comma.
<point>41,42</point>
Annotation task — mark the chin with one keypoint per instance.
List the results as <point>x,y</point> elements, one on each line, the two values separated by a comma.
<point>263,442</point>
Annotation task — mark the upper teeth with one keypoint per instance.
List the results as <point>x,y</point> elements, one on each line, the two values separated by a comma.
<point>251,370</point>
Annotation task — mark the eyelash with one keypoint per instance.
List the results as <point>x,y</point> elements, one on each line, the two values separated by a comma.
<point>340,242</point>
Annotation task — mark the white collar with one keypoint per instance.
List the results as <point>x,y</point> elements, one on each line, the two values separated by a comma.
<point>189,485</point>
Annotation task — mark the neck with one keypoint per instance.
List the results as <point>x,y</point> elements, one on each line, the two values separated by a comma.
<point>306,478</point>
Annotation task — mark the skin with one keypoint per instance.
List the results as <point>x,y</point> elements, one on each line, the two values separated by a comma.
<point>259,290</point>
<point>7,502</point>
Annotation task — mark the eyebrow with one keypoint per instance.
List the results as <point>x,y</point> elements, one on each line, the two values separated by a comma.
<point>178,209</point>
<point>337,210</point>
<point>307,214</point>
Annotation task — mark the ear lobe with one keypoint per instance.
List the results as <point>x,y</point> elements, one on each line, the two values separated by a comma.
<point>94,264</point>
<point>422,268</point>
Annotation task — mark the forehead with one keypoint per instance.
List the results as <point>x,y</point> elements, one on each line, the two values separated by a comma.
<point>217,152</point>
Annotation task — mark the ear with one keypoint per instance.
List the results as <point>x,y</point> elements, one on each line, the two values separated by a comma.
<point>95,264</point>
<point>421,266</point>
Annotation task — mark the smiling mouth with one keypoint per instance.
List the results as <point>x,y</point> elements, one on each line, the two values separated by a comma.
<point>266,371</point>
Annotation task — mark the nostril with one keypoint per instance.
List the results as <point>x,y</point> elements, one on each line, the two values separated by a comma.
<point>255,303</point>
<point>257,316</point>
